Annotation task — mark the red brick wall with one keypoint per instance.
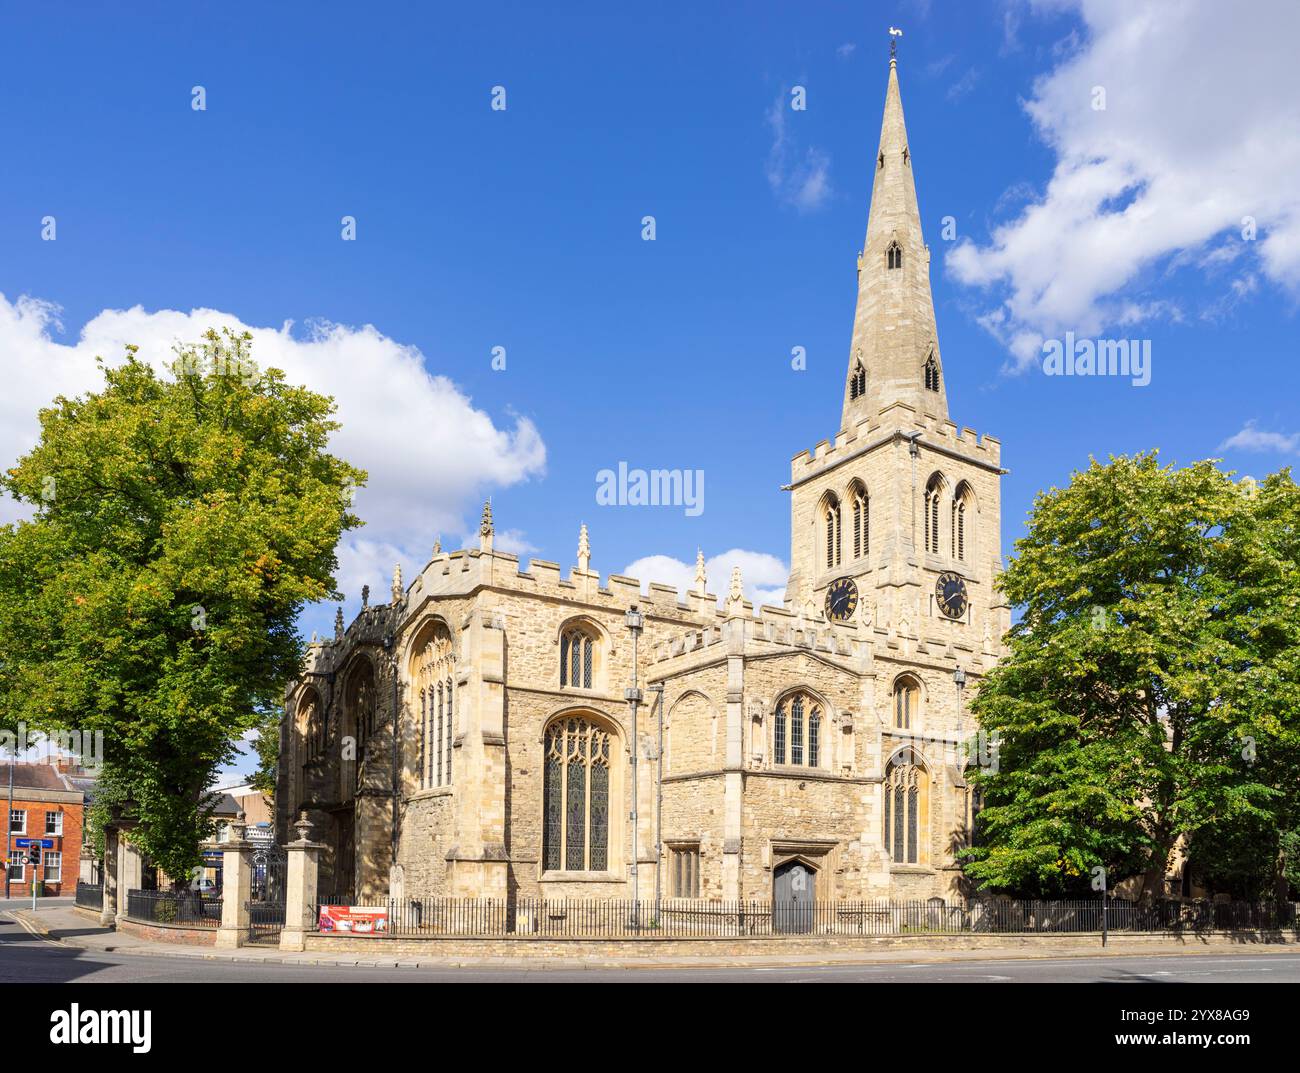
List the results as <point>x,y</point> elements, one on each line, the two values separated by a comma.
<point>69,843</point>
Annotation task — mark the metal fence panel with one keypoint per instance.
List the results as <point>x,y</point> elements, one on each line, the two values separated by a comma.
<point>698,918</point>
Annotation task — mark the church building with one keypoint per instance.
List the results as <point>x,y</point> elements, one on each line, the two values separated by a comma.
<point>489,731</point>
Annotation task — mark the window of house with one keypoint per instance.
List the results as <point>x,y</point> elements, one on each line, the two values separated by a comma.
<point>53,861</point>
<point>576,658</point>
<point>686,871</point>
<point>577,754</point>
<point>18,821</point>
<point>17,865</point>
<point>905,814</point>
<point>796,732</point>
<point>54,823</point>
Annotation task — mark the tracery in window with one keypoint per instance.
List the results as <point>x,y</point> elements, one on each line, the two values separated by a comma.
<point>575,795</point>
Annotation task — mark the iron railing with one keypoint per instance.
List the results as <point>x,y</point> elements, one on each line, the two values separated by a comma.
<point>89,895</point>
<point>682,918</point>
<point>188,908</point>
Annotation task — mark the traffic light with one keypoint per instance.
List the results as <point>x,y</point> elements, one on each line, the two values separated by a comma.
<point>33,855</point>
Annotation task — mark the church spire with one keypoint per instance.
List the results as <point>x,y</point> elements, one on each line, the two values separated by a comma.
<point>894,355</point>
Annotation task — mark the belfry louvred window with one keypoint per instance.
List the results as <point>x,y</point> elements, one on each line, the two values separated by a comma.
<point>894,256</point>
<point>933,493</point>
<point>931,373</point>
<point>858,382</point>
<point>575,796</point>
<point>861,523</point>
<point>833,538</point>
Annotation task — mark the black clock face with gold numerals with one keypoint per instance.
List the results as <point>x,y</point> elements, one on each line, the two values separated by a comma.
<point>841,600</point>
<point>950,594</point>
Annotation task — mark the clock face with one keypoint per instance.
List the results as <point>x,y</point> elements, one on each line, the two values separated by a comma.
<point>950,594</point>
<point>841,600</point>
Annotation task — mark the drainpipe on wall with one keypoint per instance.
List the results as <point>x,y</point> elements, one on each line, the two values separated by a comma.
<point>658,691</point>
<point>392,840</point>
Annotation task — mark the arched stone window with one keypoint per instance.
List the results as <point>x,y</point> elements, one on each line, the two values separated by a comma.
<point>933,494</point>
<point>578,656</point>
<point>359,703</point>
<point>907,809</point>
<point>861,509</point>
<point>432,676</point>
<point>797,731</point>
<point>961,507</point>
<point>907,703</point>
<point>832,523</point>
<point>931,373</point>
<point>858,381</point>
<point>311,725</point>
<point>894,256</point>
<point>577,755</point>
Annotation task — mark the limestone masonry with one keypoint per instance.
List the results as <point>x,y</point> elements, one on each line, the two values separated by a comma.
<point>470,736</point>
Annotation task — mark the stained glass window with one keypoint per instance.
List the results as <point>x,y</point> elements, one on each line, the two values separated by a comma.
<point>576,786</point>
<point>905,798</point>
<point>814,736</point>
<point>778,736</point>
<point>796,730</point>
<point>451,727</point>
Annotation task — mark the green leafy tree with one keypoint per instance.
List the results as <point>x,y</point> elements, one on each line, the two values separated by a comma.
<point>1143,680</point>
<point>179,526</point>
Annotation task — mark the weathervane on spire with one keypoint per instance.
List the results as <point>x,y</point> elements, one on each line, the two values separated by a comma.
<point>894,34</point>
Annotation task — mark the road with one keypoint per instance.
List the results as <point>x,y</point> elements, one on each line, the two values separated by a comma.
<point>28,958</point>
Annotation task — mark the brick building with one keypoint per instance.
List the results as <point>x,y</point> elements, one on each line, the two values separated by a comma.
<point>48,807</point>
<point>471,735</point>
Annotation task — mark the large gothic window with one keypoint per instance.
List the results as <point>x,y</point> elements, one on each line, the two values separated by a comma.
<point>831,516</point>
<point>861,521</point>
<point>575,796</point>
<point>797,732</point>
<point>906,813</point>
<point>432,674</point>
<point>577,657</point>
<point>359,704</point>
<point>894,256</point>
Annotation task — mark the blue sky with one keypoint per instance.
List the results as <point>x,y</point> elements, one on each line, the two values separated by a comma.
<point>522,229</point>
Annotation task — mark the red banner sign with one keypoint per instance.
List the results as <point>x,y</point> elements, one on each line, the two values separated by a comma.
<point>354,919</point>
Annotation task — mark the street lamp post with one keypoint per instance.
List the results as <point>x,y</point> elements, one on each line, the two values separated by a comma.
<point>959,680</point>
<point>634,621</point>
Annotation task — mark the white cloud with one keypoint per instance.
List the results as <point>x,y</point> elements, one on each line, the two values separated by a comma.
<point>797,177</point>
<point>1252,438</point>
<point>763,576</point>
<point>846,50</point>
<point>429,451</point>
<point>963,85</point>
<point>1200,130</point>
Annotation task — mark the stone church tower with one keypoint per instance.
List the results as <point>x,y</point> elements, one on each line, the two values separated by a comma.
<point>474,736</point>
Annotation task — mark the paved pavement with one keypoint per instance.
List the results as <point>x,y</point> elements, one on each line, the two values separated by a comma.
<point>58,943</point>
